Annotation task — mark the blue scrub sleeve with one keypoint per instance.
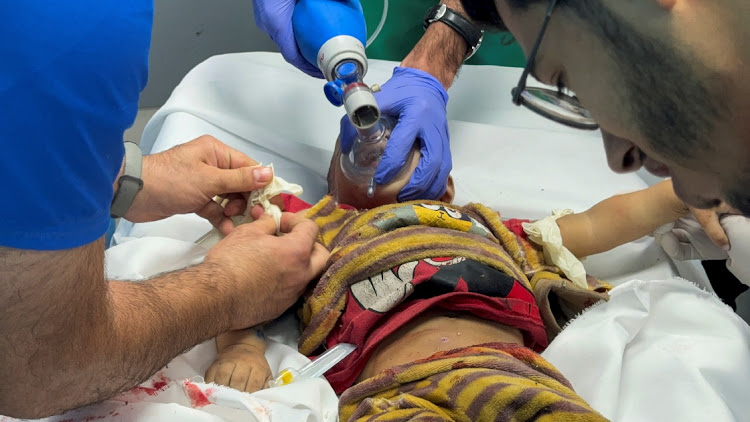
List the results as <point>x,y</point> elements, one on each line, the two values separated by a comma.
<point>70,76</point>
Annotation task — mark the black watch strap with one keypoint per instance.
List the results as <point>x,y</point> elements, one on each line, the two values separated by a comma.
<point>468,31</point>
<point>130,182</point>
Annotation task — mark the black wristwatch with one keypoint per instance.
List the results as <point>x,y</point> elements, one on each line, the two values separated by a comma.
<point>130,183</point>
<point>468,31</point>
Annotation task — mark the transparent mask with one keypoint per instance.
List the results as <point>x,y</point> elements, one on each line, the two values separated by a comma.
<point>360,164</point>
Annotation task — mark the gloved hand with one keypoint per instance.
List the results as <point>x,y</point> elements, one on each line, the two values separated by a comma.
<point>418,100</point>
<point>687,240</point>
<point>274,17</point>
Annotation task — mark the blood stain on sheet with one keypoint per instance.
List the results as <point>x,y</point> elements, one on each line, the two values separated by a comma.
<point>158,384</point>
<point>262,410</point>
<point>198,397</point>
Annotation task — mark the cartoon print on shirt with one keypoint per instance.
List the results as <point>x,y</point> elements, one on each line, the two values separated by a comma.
<point>383,291</point>
<point>430,277</point>
<point>440,262</point>
<point>431,216</point>
<point>463,275</point>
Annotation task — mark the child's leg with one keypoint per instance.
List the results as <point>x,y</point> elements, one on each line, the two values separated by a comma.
<point>241,361</point>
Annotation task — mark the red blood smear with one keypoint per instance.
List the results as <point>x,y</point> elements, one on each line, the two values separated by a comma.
<point>197,398</point>
<point>92,418</point>
<point>149,391</point>
<point>156,386</point>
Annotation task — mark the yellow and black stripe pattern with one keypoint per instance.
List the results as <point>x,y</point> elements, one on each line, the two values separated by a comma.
<point>489,382</point>
<point>364,243</point>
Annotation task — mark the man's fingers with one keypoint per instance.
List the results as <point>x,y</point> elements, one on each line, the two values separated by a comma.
<point>402,139</point>
<point>263,224</point>
<point>427,182</point>
<point>213,212</point>
<point>347,134</point>
<point>297,225</point>
<point>709,221</point>
<point>236,205</point>
<point>676,248</point>
<point>226,156</point>
<point>318,259</point>
<point>244,179</point>
<point>256,212</point>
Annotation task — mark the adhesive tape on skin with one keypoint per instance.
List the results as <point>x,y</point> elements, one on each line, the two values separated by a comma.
<point>260,197</point>
<point>263,197</point>
<point>546,233</point>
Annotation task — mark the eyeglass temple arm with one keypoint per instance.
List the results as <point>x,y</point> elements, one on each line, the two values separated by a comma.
<point>532,56</point>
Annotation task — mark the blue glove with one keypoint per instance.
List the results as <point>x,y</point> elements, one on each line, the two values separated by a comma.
<point>418,101</point>
<point>274,17</point>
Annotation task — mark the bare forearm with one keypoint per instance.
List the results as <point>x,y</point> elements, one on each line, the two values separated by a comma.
<point>156,320</point>
<point>441,50</point>
<point>621,219</point>
<point>97,340</point>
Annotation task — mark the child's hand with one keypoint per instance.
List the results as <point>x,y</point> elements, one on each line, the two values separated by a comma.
<point>242,367</point>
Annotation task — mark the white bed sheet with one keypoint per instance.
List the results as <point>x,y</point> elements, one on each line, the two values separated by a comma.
<point>504,157</point>
<point>659,350</point>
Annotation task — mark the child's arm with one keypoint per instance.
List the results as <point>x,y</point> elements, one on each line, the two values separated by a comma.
<point>240,360</point>
<point>621,219</point>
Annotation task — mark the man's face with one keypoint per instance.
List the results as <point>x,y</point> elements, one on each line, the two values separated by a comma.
<point>685,131</point>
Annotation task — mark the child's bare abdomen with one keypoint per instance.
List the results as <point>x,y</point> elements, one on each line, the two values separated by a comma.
<point>436,332</point>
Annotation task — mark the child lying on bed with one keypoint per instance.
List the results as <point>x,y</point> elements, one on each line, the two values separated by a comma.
<point>448,306</point>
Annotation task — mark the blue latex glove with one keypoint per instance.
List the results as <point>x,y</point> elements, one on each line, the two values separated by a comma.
<point>418,101</point>
<point>274,17</point>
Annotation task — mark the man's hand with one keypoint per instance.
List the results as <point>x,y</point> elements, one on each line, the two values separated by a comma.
<point>267,273</point>
<point>418,100</point>
<point>688,240</point>
<point>274,17</point>
<point>186,178</point>
<point>64,327</point>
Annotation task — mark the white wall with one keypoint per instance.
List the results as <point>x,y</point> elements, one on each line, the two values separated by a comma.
<point>186,32</point>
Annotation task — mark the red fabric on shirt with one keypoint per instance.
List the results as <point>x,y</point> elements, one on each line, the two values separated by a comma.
<point>383,303</point>
<point>451,284</point>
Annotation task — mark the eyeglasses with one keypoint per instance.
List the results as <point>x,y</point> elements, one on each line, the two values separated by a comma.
<point>553,104</point>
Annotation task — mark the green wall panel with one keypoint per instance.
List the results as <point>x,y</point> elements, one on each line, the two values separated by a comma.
<point>403,28</point>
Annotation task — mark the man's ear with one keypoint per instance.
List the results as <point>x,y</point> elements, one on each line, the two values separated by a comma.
<point>450,191</point>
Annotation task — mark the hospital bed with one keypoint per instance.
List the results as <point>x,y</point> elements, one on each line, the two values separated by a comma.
<point>505,157</point>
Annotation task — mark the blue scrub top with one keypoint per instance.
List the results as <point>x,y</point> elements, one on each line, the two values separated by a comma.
<point>71,72</point>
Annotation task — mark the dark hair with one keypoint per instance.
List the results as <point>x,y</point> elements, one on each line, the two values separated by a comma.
<point>664,87</point>
<point>737,196</point>
<point>484,13</point>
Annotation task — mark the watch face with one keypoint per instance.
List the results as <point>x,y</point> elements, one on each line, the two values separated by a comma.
<point>441,12</point>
